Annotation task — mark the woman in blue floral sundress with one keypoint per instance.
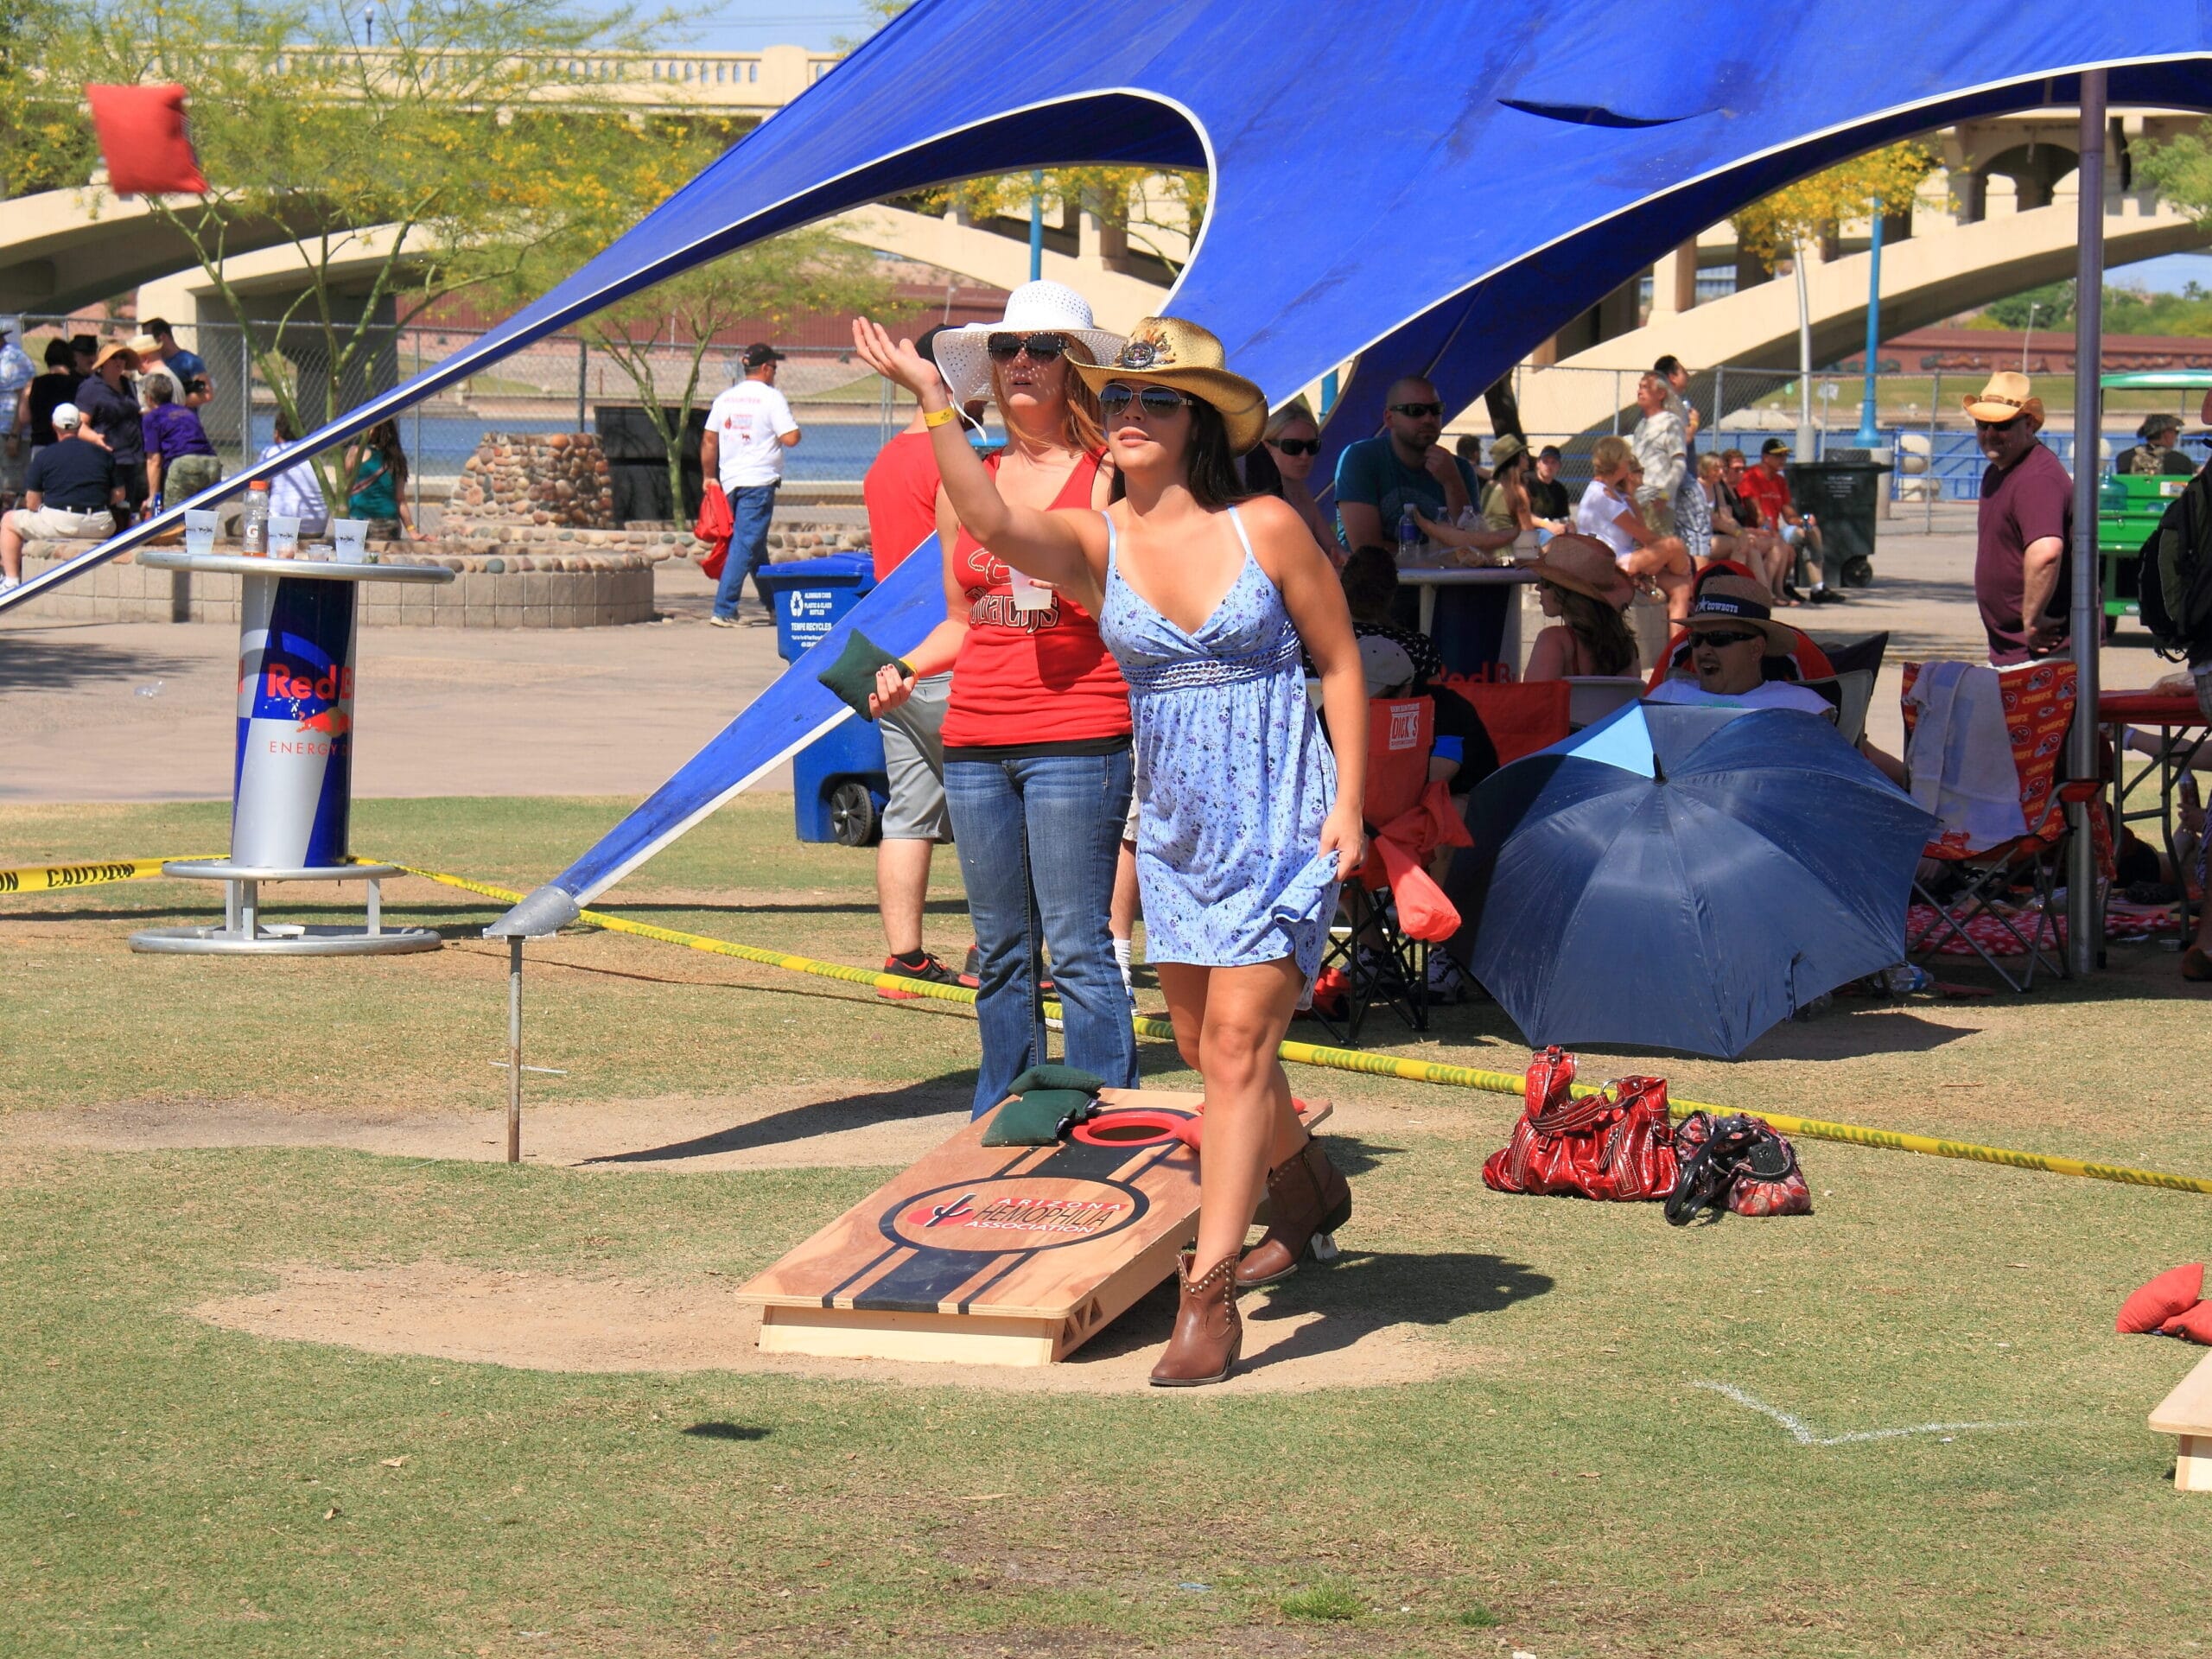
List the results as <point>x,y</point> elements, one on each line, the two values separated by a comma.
<point>1249,817</point>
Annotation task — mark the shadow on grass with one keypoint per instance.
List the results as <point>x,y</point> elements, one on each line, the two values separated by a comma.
<point>725,1432</point>
<point>949,1093</point>
<point>1357,1296</point>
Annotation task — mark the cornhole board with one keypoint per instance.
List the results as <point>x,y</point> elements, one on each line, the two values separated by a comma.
<point>2187,1412</point>
<point>994,1255</point>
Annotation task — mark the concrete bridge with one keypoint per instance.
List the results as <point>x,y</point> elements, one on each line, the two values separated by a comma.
<point>1999,216</point>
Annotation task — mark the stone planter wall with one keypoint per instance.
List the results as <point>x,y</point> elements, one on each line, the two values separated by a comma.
<point>534,477</point>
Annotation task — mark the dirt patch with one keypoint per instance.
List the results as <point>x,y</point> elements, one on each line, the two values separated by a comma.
<point>818,1126</point>
<point>827,1125</point>
<point>548,1322</point>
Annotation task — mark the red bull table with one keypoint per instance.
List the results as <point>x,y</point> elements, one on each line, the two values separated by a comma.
<point>291,793</point>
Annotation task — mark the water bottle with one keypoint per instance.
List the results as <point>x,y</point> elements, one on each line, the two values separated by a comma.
<point>1409,535</point>
<point>253,535</point>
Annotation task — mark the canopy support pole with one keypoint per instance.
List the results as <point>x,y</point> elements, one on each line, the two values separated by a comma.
<point>514,1049</point>
<point>2084,920</point>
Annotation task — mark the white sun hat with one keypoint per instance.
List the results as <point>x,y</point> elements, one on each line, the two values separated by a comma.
<point>963,354</point>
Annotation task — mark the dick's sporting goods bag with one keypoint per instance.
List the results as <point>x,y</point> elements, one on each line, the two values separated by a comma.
<point>1615,1144</point>
<point>1735,1163</point>
<point>2175,581</point>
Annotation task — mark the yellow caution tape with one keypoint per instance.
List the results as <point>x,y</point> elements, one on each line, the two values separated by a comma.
<point>1390,1065</point>
<point>42,878</point>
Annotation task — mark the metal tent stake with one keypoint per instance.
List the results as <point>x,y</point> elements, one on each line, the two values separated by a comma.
<point>514,1049</point>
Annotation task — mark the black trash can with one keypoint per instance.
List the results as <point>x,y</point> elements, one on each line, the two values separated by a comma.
<point>1845,496</point>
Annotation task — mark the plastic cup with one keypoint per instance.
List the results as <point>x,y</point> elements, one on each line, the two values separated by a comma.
<point>283,536</point>
<point>200,531</point>
<point>351,537</point>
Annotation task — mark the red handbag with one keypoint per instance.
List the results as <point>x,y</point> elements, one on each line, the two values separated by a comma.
<point>1617,1144</point>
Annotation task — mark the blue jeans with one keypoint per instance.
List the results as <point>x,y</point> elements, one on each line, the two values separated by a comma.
<point>1038,839</point>
<point>751,505</point>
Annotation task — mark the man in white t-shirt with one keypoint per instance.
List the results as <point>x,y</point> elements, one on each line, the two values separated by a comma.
<point>1733,632</point>
<point>748,428</point>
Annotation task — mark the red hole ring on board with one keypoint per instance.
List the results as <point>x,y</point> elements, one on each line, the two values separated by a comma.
<point>1137,1126</point>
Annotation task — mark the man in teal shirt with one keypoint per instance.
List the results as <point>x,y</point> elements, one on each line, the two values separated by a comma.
<point>1378,477</point>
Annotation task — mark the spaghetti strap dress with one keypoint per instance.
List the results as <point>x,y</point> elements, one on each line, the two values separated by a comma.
<point>1233,775</point>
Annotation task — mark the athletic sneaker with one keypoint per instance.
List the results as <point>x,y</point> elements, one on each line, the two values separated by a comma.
<point>1447,979</point>
<point>720,621</point>
<point>921,965</point>
<point>1824,595</point>
<point>9,584</point>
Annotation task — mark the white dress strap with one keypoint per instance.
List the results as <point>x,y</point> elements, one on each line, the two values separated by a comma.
<point>1237,519</point>
<point>1113,541</point>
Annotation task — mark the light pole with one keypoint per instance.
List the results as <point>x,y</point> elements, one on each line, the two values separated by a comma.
<point>1870,437</point>
<point>1037,224</point>
<point>2033,306</point>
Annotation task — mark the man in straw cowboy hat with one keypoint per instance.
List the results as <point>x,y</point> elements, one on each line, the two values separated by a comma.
<point>1732,633</point>
<point>2025,527</point>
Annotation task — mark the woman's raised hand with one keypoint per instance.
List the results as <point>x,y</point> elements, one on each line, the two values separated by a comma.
<point>897,361</point>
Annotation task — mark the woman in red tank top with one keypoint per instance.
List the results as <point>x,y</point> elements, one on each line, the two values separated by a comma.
<point>1037,760</point>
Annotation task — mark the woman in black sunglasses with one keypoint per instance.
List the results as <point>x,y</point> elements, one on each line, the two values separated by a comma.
<point>1206,595</point>
<point>1293,440</point>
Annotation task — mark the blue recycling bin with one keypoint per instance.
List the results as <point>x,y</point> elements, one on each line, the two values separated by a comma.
<point>839,787</point>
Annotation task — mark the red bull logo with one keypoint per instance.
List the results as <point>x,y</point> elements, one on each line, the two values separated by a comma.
<point>331,685</point>
<point>333,722</point>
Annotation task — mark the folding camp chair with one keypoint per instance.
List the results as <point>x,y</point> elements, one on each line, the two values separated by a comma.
<point>1376,960</point>
<point>1521,717</point>
<point>2039,706</point>
<point>1849,696</point>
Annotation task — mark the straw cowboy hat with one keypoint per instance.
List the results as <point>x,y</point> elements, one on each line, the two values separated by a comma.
<point>2007,394</point>
<point>1583,565</point>
<point>1169,352</point>
<point>963,354</point>
<point>1734,601</point>
<point>114,349</point>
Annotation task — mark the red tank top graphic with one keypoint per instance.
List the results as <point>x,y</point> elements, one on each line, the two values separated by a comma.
<point>1030,676</point>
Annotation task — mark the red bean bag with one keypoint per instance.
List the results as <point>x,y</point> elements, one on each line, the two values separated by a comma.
<point>2196,1324</point>
<point>144,140</point>
<point>2173,1293</point>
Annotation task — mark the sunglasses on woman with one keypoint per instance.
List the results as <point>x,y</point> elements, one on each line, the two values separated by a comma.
<point>1296,446</point>
<point>1042,348</point>
<point>1159,402</point>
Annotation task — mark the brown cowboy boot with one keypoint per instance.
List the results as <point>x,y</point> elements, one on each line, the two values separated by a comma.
<point>1208,1332</point>
<point>1307,1195</point>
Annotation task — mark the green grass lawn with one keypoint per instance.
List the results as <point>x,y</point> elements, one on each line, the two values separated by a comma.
<point>1571,1484</point>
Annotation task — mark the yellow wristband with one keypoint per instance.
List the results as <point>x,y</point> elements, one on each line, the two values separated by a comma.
<point>936,417</point>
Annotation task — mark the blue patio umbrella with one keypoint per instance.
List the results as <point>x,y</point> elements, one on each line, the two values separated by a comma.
<point>1683,877</point>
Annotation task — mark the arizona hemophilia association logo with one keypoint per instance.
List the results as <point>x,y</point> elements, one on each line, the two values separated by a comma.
<point>998,1214</point>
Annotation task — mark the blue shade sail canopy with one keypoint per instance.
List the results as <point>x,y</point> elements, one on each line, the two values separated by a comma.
<point>1431,189</point>
<point>1683,877</point>
<point>797,709</point>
